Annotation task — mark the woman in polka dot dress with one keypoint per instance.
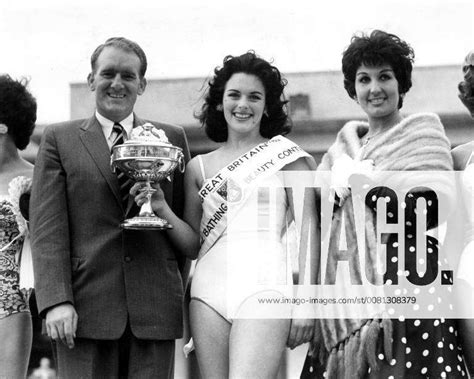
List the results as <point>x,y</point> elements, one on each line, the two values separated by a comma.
<point>377,75</point>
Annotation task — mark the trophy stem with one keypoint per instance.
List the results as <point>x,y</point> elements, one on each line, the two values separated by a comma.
<point>147,218</point>
<point>146,210</point>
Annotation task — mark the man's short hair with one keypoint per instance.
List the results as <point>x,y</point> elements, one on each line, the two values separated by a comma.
<point>124,44</point>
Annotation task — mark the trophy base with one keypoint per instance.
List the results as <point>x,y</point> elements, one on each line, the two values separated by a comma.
<point>146,223</point>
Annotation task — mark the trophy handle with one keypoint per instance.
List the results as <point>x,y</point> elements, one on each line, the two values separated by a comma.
<point>181,162</point>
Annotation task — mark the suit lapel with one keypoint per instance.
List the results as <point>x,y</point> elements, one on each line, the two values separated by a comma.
<point>92,137</point>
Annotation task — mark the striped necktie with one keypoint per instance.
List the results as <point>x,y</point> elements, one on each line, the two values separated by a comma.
<point>117,129</point>
<point>124,181</point>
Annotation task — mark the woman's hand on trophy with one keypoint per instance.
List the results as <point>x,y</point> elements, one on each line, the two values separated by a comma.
<point>144,192</point>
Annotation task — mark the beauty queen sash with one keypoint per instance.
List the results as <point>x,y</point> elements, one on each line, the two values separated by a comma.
<point>236,181</point>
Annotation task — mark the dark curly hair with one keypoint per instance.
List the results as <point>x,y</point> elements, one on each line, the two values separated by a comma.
<point>377,49</point>
<point>125,45</point>
<point>274,121</point>
<point>17,110</point>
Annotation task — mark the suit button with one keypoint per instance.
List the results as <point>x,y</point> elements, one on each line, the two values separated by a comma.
<point>128,259</point>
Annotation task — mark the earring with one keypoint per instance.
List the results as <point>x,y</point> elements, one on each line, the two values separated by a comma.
<point>265,113</point>
<point>3,129</point>
<point>219,107</point>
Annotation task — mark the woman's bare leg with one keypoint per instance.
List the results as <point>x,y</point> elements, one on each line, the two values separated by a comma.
<point>256,347</point>
<point>16,334</point>
<point>210,333</point>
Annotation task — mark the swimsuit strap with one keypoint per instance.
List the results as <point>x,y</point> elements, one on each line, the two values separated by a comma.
<point>470,160</point>
<point>201,165</point>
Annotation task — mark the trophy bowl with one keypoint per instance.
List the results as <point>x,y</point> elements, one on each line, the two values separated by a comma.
<point>148,160</point>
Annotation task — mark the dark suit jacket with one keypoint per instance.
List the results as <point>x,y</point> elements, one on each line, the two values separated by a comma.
<point>80,253</point>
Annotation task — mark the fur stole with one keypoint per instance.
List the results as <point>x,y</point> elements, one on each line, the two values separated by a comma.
<point>417,143</point>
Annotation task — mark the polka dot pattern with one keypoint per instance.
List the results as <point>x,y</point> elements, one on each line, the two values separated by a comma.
<point>421,348</point>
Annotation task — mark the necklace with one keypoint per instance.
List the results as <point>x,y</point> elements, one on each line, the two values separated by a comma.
<point>366,139</point>
<point>396,119</point>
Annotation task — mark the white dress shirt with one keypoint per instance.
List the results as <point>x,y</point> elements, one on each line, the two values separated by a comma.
<point>107,127</point>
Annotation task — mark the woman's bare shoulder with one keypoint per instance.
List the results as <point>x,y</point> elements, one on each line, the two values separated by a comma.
<point>461,154</point>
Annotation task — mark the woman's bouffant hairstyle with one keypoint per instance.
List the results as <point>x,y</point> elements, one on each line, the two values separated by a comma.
<point>17,110</point>
<point>377,49</point>
<point>274,121</point>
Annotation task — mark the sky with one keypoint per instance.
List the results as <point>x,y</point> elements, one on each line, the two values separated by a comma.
<point>50,41</point>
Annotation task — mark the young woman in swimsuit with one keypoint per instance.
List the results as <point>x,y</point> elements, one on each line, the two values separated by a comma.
<point>236,229</point>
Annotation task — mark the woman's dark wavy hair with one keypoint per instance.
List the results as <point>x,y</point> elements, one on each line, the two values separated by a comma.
<point>274,121</point>
<point>377,49</point>
<point>17,110</point>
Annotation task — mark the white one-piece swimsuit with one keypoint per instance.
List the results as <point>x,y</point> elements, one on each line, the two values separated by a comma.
<point>250,259</point>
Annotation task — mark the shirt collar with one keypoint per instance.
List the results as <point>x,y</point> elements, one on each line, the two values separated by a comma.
<point>127,124</point>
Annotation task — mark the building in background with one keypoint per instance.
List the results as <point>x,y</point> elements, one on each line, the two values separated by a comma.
<point>318,105</point>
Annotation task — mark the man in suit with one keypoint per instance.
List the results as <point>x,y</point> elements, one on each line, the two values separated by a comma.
<point>112,298</point>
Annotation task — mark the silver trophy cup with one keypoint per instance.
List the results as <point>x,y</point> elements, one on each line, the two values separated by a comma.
<point>150,160</point>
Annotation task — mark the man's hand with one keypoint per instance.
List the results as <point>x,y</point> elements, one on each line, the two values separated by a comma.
<point>61,323</point>
<point>301,331</point>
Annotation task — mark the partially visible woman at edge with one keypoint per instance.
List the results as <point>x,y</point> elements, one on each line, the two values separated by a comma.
<point>463,157</point>
<point>17,121</point>
<point>244,109</point>
<point>377,70</point>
